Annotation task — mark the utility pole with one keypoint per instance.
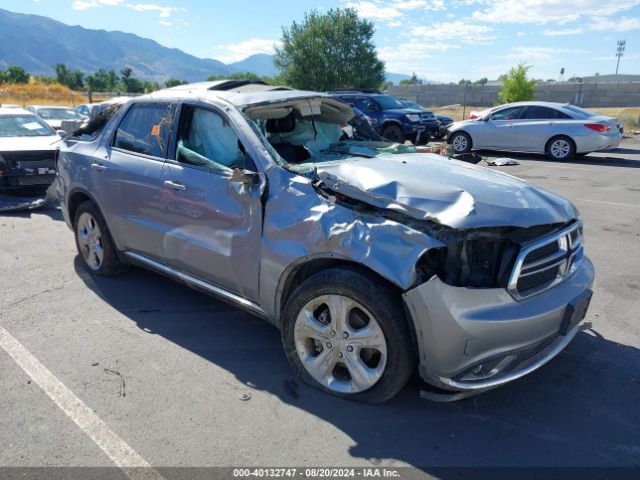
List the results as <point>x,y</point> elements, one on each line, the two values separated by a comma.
<point>620,52</point>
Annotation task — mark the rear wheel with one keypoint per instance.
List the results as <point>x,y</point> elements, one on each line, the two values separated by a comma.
<point>561,148</point>
<point>346,334</point>
<point>93,240</point>
<point>393,133</point>
<point>460,142</point>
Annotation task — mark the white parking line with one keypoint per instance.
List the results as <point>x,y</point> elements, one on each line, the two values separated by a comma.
<point>125,457</point>
<point>607,203</point>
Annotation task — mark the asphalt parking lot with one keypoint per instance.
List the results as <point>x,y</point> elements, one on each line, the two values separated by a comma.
<point>169,370</point>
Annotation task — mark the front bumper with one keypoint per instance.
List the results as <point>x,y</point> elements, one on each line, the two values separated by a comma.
<point>476,339</point>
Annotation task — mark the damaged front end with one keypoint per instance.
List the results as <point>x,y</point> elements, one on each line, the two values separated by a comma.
<point>488,305</point>
<point>490,267</point>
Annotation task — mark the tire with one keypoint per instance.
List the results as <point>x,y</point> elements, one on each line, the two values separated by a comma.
<point>335,344</point>
<point>95,246</point>
<point>460,142</point>
<point>561,148</point>
<point>393,133</point>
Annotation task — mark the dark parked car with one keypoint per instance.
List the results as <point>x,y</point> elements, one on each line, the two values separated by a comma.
<point>445,120</point>
<point>391,118</point>
<point>373,260</point>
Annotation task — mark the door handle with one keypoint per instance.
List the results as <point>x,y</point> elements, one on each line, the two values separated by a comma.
<point>175,185</point>
<point>98,166</point>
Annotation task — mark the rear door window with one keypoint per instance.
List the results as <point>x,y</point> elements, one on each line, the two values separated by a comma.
<point>145,129</point>
<point>543,113</point>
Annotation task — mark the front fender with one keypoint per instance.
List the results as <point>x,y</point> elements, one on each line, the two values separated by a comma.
<point>301,225</point>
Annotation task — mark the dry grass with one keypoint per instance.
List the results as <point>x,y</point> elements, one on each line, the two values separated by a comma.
<point>36,93</point>
<point>630,116</point>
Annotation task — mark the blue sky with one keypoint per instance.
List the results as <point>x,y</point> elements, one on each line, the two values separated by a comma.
<point>439,40</point>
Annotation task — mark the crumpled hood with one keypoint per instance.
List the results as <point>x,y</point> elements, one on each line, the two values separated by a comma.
<point>448,192</point>
<point>18,144</point>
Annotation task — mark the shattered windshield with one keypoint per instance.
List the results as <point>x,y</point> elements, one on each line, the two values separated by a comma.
<point>303,142</point>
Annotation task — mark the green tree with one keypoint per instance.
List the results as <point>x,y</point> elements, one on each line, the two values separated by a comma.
<point>516,87</point>
<point>16,74</point>
<point>329,50</point>
<point>129,83</point>
<point>414,80</point>
<point>73,80</point>
<point>150,86</point>
<point>174,82</point>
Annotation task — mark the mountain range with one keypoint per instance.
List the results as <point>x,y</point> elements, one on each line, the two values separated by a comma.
<point>38,43</point>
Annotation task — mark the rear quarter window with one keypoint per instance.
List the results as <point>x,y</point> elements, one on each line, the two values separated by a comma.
<point>145,129</point>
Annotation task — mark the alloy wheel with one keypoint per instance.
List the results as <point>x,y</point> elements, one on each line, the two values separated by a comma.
<point>340,343</point>
<point>459,143</point>
<point>90,241</point>
<point>560,148</point>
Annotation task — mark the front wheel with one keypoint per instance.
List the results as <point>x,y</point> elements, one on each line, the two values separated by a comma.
<point>346,334</point>
<point>460,142</point>
<point>561,148</point>
<point>393,133</point>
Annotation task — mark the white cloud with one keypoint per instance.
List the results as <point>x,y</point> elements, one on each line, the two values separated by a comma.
<point>413,56</point>
<point>389,9</point>
<point>86,4</point>
<point>234,52</point>
<point>82,5</point>
<point>549,11</point>
<point>530,55</point>
<point>372,10</point>
<point>165,23</point>
<point>618,25</point>
<point>563,32</point>
<point>165,12</point>
<point>457,30</point>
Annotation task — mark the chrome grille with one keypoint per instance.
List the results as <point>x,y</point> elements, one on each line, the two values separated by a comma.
<point>546,262</point>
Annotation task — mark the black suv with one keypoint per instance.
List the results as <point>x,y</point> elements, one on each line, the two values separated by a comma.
<point>390,117</point>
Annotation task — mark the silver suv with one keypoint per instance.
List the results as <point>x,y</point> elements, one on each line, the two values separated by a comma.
<point>369,257</point>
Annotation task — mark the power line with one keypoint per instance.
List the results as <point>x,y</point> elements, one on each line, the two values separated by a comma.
<point>620,52</point>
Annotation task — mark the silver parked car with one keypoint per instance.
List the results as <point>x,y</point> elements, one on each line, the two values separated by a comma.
<point>370,258</point>
<point>559,130</point>
<point>58,118</point>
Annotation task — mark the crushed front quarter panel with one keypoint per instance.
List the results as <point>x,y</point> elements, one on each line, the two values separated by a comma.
<point>302,225</point>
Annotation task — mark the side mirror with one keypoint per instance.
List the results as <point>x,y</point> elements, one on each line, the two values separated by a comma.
<point>486,118</point>
<point>245,177</point>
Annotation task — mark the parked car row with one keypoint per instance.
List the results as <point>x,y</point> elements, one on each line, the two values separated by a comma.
<point>562,131</point>
<point>394,119</point>
<point>373,260</point>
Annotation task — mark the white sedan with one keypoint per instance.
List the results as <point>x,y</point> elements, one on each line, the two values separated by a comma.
<point>28,149</point>
<point>559,130</point>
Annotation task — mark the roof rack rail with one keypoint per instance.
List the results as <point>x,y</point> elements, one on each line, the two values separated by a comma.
<point>354,90</point>
<point>231,84</point>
